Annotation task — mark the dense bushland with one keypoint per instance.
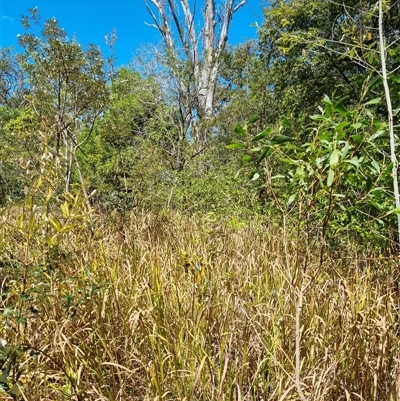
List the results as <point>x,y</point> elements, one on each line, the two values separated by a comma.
<point>151,249</point>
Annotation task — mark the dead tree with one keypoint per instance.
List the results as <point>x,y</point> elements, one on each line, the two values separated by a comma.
<point>195,57</point>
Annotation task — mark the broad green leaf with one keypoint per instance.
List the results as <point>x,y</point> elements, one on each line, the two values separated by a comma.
<point>4,374</point>
<point>342,125</point>
<point>357,139</point>
<point>373,101</point>
<point>263,154</point>
<point>253,119</point>
<point>379,206</point>
<point>279,139</point>
<point>346,149</point>
<point>262,135</point>
<point>246,159</point>
<point>8,310</point>
<point>291,199</point>
<point>377,80</point>
<point>240,130</point>
<point>356,125</point>
<point>334,159</point>
<point>286,123</point>
<point>55,223</point>
<point>331,176</point>
<point>377,134</point>
<point>354,161</point>
<point>318,117</point>
<point>340,108</point>
<point>327,100</point>
<point>15,390</point>
<point>376,166</point>
<point>235,146</point>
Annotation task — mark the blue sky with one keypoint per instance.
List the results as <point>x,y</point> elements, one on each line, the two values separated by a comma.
<point>91,20</point>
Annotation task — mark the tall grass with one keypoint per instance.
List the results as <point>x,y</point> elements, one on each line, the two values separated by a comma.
<point>170,307</point>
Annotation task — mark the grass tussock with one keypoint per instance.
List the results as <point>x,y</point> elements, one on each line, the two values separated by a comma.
<point>169,307</point>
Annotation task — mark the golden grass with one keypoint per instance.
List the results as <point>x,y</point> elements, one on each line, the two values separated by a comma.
<point>170,307</point>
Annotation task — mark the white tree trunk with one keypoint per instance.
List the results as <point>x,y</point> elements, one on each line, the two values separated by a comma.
<point>202,53</point>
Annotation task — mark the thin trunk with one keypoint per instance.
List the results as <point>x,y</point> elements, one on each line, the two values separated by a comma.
<point>390,120</point>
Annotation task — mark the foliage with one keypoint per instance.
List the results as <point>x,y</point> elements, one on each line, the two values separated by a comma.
<point>19,151</point>
<point>337,179</point>
<point>31,244</point>
<point>180,280</point>
<point>11,79</point>
<point>67,86</point>
<point>316,48</point>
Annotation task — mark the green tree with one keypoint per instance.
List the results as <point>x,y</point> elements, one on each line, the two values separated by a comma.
<point>11,79</point>
<point>126,157</point>
<point>67,88</point>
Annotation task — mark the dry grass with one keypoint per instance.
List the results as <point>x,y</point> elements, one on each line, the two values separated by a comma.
<point>176,308</point>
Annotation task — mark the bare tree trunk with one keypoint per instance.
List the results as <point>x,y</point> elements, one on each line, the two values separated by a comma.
<point>202,54</point>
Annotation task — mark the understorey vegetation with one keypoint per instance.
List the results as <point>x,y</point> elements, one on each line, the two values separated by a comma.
<point>221,225</point>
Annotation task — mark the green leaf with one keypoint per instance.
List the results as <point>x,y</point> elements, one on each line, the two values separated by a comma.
<point>331,176</point>
<point>240,130</point>
<point>373,101</point>
<point>342,125</point>
<point>354,161</point>
<point>235,146</point>
<point>356,125</point>
<point>357,139</point>
<point>334,159</point>
<point>55,223</point>
<point>291,199</point>
<point>253,119</point>
<point>263,154</point>
<point>256,176</point>
<point>346,149</point>
<point>376,166</point>
<point>340,108</point>
<point>327,100</point>
<point>262,135</point>
<point>286,123</point>
<point>246,159</point>
<point>279,139</point>
<point>318,117</point>
<point>377,80</point>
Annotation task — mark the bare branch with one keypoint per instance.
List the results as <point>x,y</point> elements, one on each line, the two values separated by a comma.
<point>162,26</point>
<point>242,3</point>
<point>196,83</point>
